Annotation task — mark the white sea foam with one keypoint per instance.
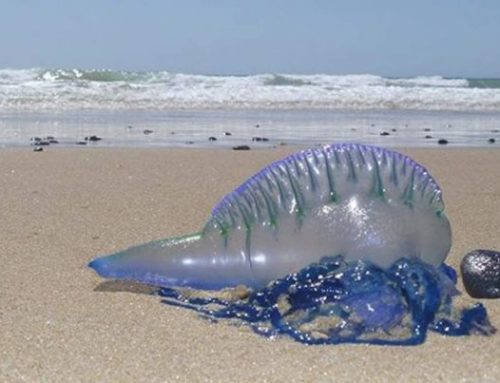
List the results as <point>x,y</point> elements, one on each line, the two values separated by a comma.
<point>63,90</point>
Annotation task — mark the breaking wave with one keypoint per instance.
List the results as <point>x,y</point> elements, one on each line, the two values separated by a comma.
<point>70,89</point>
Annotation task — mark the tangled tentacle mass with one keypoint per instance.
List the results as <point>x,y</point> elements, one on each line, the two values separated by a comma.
<point>335,301</point>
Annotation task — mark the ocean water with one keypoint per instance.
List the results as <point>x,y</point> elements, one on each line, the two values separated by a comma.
<point>185,110</point>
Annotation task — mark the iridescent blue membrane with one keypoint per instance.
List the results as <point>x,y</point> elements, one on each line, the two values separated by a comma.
<point>333,302</point>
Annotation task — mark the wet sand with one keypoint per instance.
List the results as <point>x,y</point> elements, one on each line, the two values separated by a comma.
<point>60,322</point>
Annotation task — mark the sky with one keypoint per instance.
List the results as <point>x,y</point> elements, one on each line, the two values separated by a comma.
<point>454,38</point>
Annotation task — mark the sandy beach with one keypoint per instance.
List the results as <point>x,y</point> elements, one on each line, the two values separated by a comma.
<point>59,322</point>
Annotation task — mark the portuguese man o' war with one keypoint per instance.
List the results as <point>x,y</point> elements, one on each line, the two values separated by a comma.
<point>363,202</point>
<point>377,213</point>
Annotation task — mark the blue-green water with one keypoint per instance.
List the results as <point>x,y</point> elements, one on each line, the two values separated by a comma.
<point>186,109</point>
<point>69,90</point>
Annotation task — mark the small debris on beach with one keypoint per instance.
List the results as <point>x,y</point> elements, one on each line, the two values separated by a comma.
<point>442,141</point>
<point>93,138</point>
<point>491,140</point>
<point>257,125</point>
<point>43,141</point>
<point>495,131</point>
<point>130,127</point>
<point>394,130</point>
<point>260,139</point>
<point>384,133</point>
<point>481,273</point>
<point>38,149</point>
<point>241,147</point>
<point>428,136</point>
<point>228,134</point>
<point>212,138</point>
<point>427,129</point>
<point>189,142</point>
<point>81,143</point>
<point>147,131</point>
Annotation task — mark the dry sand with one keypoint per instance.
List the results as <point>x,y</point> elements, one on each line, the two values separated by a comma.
<point>59,323</point>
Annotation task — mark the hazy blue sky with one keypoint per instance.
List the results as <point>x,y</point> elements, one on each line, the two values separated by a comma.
<point>386,37</point>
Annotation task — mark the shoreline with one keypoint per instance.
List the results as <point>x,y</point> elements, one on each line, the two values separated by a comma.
<point>63,207</point>
<point>227,128</point>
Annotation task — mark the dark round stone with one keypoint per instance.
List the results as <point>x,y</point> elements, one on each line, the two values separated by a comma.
<point>491,140</point>
<point>442,141</point>
<point>481,273</point>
